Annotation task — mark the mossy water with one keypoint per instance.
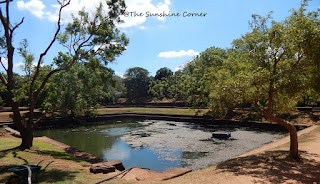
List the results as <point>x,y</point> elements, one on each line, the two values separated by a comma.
<point>161,145</point>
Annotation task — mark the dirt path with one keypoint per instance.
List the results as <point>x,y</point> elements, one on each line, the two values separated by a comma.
<point>268,164</point>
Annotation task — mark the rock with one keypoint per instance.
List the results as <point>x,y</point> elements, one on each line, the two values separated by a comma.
<point>117,164</point>
<point>102,168</point>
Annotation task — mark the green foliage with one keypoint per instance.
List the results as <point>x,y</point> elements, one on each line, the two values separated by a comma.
<point>270,65</point>
<point>163,73</point>
<point>137,83</point>
<point>28,58</point>
<point>193,84</point>
<point>78,90</point>
<point>19,90</point>
<point>159,88</point>
<point>167,86</point>
<point>91,41</point>
<point>115,90</point>
<point>95,35</point>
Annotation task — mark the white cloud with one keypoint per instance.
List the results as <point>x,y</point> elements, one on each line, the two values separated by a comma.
<point>38,9</point>
<point>143,6</point>
<point>181,67</point>
<point>175,54</point>
<point>35,7</point>
<point>167,2</point>
<point>21,63</point>
<point>76,5</point>
<point>119,74</point>
<point>18,64</point>
<point>5,63</point>
<point>142,27</point>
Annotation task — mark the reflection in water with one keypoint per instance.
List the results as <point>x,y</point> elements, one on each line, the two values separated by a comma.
<point>160,145</point>
<point>92,139</point>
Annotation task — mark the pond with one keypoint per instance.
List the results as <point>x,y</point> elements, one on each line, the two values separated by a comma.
<point>161,145</point>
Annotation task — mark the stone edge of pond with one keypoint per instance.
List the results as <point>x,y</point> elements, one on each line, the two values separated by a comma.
<point>64,122</point>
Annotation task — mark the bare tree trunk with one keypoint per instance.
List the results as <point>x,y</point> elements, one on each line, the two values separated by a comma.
<point>294,152</point>
<point>26,136</point>
<point>24,127</point>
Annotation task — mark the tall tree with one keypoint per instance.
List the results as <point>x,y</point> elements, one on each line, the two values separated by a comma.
<point>115,91</point>
<point>163,73</point>
<point>137,83</point>
<point>77,90</point>
<point>94,36</point>
<point>159,87</point>
<point>269,68</point>
<point>193,83</point>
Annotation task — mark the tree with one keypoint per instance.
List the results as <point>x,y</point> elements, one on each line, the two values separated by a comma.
<point>168,87</point>
<point>77,90</point>
<point>193,83</point>
<point>94,36</point>
<point>137,83</point>
<point>163,73</point>
<point>115,91</point>
<point>158,88</point>
<point>269,68</point>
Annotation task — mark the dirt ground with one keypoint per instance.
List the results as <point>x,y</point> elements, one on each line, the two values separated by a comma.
<point>268,164</point>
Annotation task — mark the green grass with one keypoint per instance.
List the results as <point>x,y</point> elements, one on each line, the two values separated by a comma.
<point>169,111</point>
<point>65,169</point>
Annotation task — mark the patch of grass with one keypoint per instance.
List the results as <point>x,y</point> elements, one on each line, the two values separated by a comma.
<point>9,143</point>
<point>169,111</point>
<point>44,146</point>
<point>65,169</point>
<point>62,155</point>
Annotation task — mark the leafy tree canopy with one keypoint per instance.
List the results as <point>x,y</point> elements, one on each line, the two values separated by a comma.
<point>163,73</point>
<point>137,83</point>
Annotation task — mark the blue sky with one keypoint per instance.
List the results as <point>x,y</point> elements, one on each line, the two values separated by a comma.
<point>155,41</point>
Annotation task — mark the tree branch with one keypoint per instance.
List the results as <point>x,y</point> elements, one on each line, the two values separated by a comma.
<point>5,25</point>
<point>5,1</point>
<point>3,80</point>
<point>300,56</point>
<point>39,119</point>
<point>45,80</point>
<point>17,25</point>
<point>49,46</point>
<point>7,11</point>
<point>3,65</point>
<point>259,108</point>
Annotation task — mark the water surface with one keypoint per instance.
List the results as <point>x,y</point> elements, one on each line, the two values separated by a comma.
<point>161,145</point>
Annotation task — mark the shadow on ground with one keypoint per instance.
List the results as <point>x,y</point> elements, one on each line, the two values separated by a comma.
<point>58,155</point>
<point>14,151</point>
<point>275,167</point>
<point>3,153</point>
<point>47,176</point>
<point>55,175</point>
